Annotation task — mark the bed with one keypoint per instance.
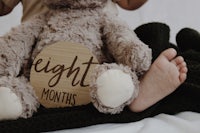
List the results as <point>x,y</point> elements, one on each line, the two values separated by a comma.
<point>185,122</point>
<point>181,121</point>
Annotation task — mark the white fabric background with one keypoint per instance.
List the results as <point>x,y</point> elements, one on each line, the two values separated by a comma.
<point>176,13</point>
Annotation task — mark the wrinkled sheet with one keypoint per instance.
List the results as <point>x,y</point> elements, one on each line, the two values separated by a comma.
<point>185,122</point>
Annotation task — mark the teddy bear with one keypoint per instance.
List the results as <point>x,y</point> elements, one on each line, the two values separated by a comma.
<point>122,57</point>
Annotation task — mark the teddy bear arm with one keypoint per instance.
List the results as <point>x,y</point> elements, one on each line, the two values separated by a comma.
<point>16,45</point>
<point>125,46</point>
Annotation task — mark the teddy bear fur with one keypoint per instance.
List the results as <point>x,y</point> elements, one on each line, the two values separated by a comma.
<point>85,22</point>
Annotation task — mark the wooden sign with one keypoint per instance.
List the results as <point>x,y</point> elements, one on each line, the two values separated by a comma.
<point>60,75</point>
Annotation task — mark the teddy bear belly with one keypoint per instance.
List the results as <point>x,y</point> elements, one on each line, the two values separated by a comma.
<point>75,26</point>
<point>93,44</point>
<point>87,38</point>
<point>91,41</point>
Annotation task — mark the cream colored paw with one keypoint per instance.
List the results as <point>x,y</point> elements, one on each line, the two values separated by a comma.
<point>10,105</point>
<point>114,87</point>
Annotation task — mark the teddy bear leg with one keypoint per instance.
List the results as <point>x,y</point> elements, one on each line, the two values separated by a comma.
<point>10,104</point>
<point>113,87</point>
<point>17,98</point>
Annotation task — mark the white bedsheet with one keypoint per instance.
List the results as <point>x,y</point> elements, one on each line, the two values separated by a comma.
<point>185,122</point>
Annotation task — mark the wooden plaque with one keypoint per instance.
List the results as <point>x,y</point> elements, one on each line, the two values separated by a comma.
<point>60,75</point>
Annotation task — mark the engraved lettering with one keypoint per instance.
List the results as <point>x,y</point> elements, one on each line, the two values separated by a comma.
<point>71,71</point>
<point>58,71</point>
<point>89,63</point>
<point>55,96</point>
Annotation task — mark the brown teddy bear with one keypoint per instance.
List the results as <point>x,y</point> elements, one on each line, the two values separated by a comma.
<point>122,56</point>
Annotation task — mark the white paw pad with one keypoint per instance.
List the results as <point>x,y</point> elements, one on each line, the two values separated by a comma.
<point>10,105</point>
<point>114,88</point>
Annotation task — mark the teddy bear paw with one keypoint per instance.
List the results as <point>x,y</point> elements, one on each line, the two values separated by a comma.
<point>10,105</point>
<point>114,88</point>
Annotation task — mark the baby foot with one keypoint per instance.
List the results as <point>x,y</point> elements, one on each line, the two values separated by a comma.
<point>10,105</point>
<point>164,76</point>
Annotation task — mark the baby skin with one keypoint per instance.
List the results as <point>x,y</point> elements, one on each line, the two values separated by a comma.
<point>165,74</point>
